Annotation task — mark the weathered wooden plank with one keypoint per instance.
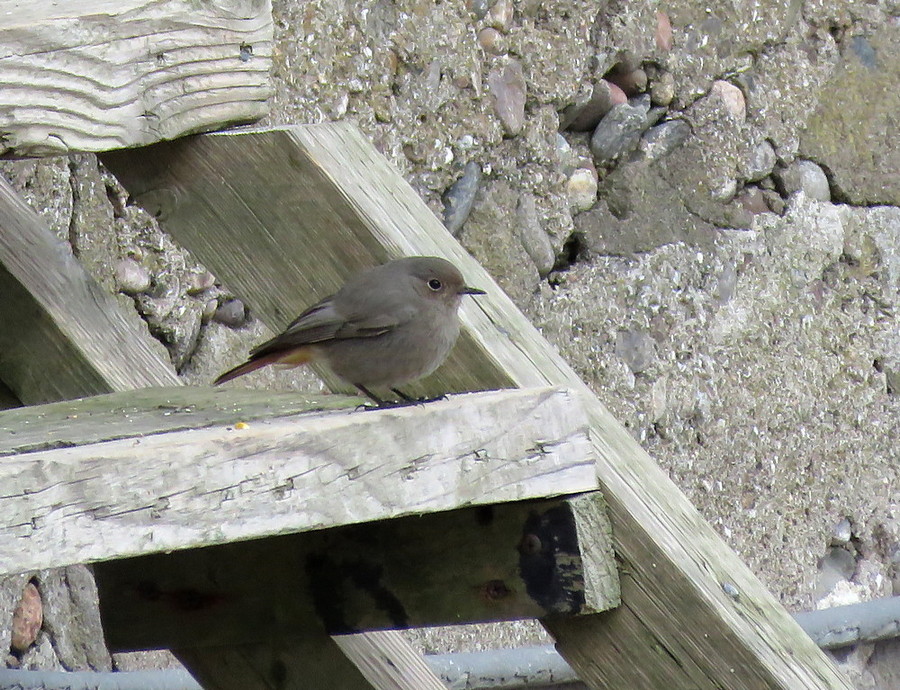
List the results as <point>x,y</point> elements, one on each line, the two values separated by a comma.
<point>62,335</point>
<point>251,192</point>
<point>303,662</point>
<point>129,414</point>
<point>500,562</point>
<point>195,487</point>
<point>376,655</point>
<point>95,75</point>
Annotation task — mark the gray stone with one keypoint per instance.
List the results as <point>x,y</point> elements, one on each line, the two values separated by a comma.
<point>662,139</point>
<point>854,130</point>
<point>565,155</point>
<point>507,84</point>
<point>131,277</point>
<point>534,239</point>
<point>493,237</point>
<point>807,177</point>
<point>501,14</point>
<point>584,116</point>
<point>774,201</point>
<point>200,281</point>
<point>636,348</point>
<point>662,89</point>
<point>630,81</point>
<point>759,162</point>
<point>618,132</point>
<point>753,200</point>
<point>458,199</point>
<point>480,8</point>
<point>492,41</point>
<point>731,98</point>
<point>654,115</point>
<point>209,309</point>
<point>842,533</point>
<point>231,313</point>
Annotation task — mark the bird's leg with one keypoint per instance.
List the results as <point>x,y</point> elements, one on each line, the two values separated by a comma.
<point>417,400</point>
<point>404,395</point>
<point>370,394</point>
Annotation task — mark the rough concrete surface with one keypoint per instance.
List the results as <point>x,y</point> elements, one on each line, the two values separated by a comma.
<point>746,333</point>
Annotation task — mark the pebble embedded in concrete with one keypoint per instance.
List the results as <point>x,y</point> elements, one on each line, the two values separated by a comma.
<point>760,162</point>
<point>731,98</point>
<point>507,84</point>
<point>805,176</point>
<point>618,132</point>
<point>131,277</point>
<point>232,313</point>
<point>664,138</point>
<point>584,116</point>
<point>535,241</point>
<point>458,199</point>
<point>581,188</point>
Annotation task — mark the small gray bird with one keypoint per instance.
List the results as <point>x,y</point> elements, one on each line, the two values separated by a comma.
<point>385,327</point>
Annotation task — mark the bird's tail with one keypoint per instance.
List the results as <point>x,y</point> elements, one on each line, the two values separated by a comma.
<point>293,357</point>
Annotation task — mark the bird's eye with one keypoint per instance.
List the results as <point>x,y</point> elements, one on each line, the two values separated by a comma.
<point>435,284</point>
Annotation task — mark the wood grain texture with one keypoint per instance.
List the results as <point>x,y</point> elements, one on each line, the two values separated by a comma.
<point>97,74</point>
<point>305,206</point>
<point>197,487</point>
<point>313,661</point>
<point>507,561</point>
<point>376,654</point>
<point>63,336</point>
<point>129,414</point>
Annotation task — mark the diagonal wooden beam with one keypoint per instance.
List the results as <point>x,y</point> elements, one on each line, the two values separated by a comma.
<point>283,216</point>
<point>62,335</point>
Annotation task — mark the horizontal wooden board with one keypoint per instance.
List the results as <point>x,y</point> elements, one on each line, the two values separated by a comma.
<point>149,411</point>
<point>196,487</point>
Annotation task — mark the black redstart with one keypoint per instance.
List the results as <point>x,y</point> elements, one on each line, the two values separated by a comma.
<point>388,326</point>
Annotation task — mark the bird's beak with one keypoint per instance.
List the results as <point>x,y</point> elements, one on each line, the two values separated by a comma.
<point>471,291</point>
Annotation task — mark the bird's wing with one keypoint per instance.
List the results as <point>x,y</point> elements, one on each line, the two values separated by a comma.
<point>324,321</point>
